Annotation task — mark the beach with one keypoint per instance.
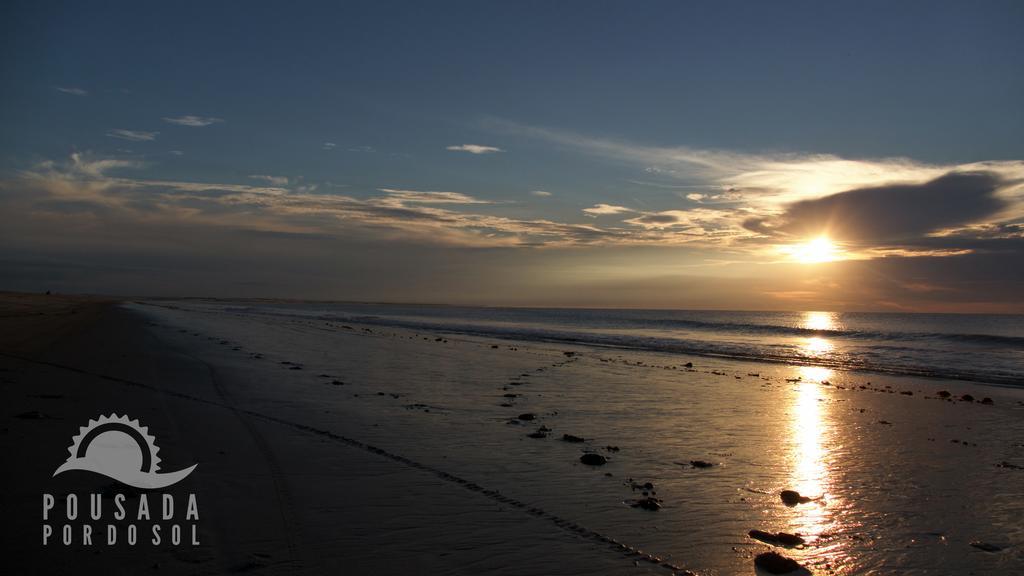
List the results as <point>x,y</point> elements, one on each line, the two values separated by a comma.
<point>335,445</point>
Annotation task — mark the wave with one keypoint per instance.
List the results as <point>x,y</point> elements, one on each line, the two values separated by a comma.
<point>928,354</point>
<point>787,330</point>
<point>618,320</point>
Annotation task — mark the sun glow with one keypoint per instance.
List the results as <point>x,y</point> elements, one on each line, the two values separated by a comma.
<point>815,251</point>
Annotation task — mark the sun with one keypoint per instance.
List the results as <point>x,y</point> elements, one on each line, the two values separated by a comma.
<point>815,251</point>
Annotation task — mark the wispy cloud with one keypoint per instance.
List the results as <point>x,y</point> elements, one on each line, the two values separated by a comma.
<point>741,228</point>
<point>474,149</point>
<point>768,179</point>
<point>428,197</point>
<point>273,180</point>
<point>756,197</point>
<point>606,210</point>
<point>85,186</point>
<point>329,146</point>
<point>72,91</point>
<point>133,135</point>
<point>540,193</point>
<point>192,121</point>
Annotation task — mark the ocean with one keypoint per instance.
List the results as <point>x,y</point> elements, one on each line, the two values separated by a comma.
<point>983,348</point>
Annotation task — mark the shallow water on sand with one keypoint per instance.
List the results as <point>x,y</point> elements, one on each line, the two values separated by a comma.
<point>900,483</point>
<point>986,348</point>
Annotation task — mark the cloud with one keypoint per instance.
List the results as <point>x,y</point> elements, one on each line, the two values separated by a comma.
<point>83,190</point>
<point>474,149</point>
<point>767,180</point>
<point>895,213</point>
<point>362,149</point>
<point>84,166</point>
<point>88,206</point>
<point>329,146</point>
<point>767,198</point>
<point>540,193</point>
<point>605,210</point>
<point>193,121</point>
<point>94,185</point>
<point>133,135</point>
<point>273,180</point>
<point>428,197</point>
<point>73,91</point>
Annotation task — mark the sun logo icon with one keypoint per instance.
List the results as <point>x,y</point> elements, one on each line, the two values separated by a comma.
<point>121,449</point>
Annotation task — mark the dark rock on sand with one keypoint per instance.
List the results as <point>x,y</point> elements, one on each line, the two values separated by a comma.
<point>944,394</point>
<point>1009,466</point>
<point>337,382</point>
<point>967,398</point>
<point>538,434</point>
<point>688,365</point>
<point>792,498</point>
<point>591,459</point>
<point>526,416</point>
<point>776,538</point>
<point>701,464</point>
<point>650,503</point>
<point>987,400</point>
<point>986,546</point>
<point>775,563</point>
<point>571,438</point>
<point>612,448</point>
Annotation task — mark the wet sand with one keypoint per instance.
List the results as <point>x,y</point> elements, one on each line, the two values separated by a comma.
<point>328,447</point>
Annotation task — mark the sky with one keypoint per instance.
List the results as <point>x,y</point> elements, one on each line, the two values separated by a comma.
<point>731,155</point>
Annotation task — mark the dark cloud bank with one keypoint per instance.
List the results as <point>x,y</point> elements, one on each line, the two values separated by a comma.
<point>886,215</point>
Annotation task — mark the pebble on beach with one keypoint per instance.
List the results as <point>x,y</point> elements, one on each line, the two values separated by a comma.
<point>986,546</point>
<point>649,503</point>
<point>777,538</point>
<point>792,498</point>
<point>775,563</point>
<point>591,459</point>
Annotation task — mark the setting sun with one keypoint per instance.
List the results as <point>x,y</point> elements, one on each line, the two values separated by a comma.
<point>815,251</point>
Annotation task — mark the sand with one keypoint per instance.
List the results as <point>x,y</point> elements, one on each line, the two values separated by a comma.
<point>415,459</point>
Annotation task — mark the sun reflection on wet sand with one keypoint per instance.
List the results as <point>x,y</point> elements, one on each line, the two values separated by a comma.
<point>809,472</point>
<point>811,433</point>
